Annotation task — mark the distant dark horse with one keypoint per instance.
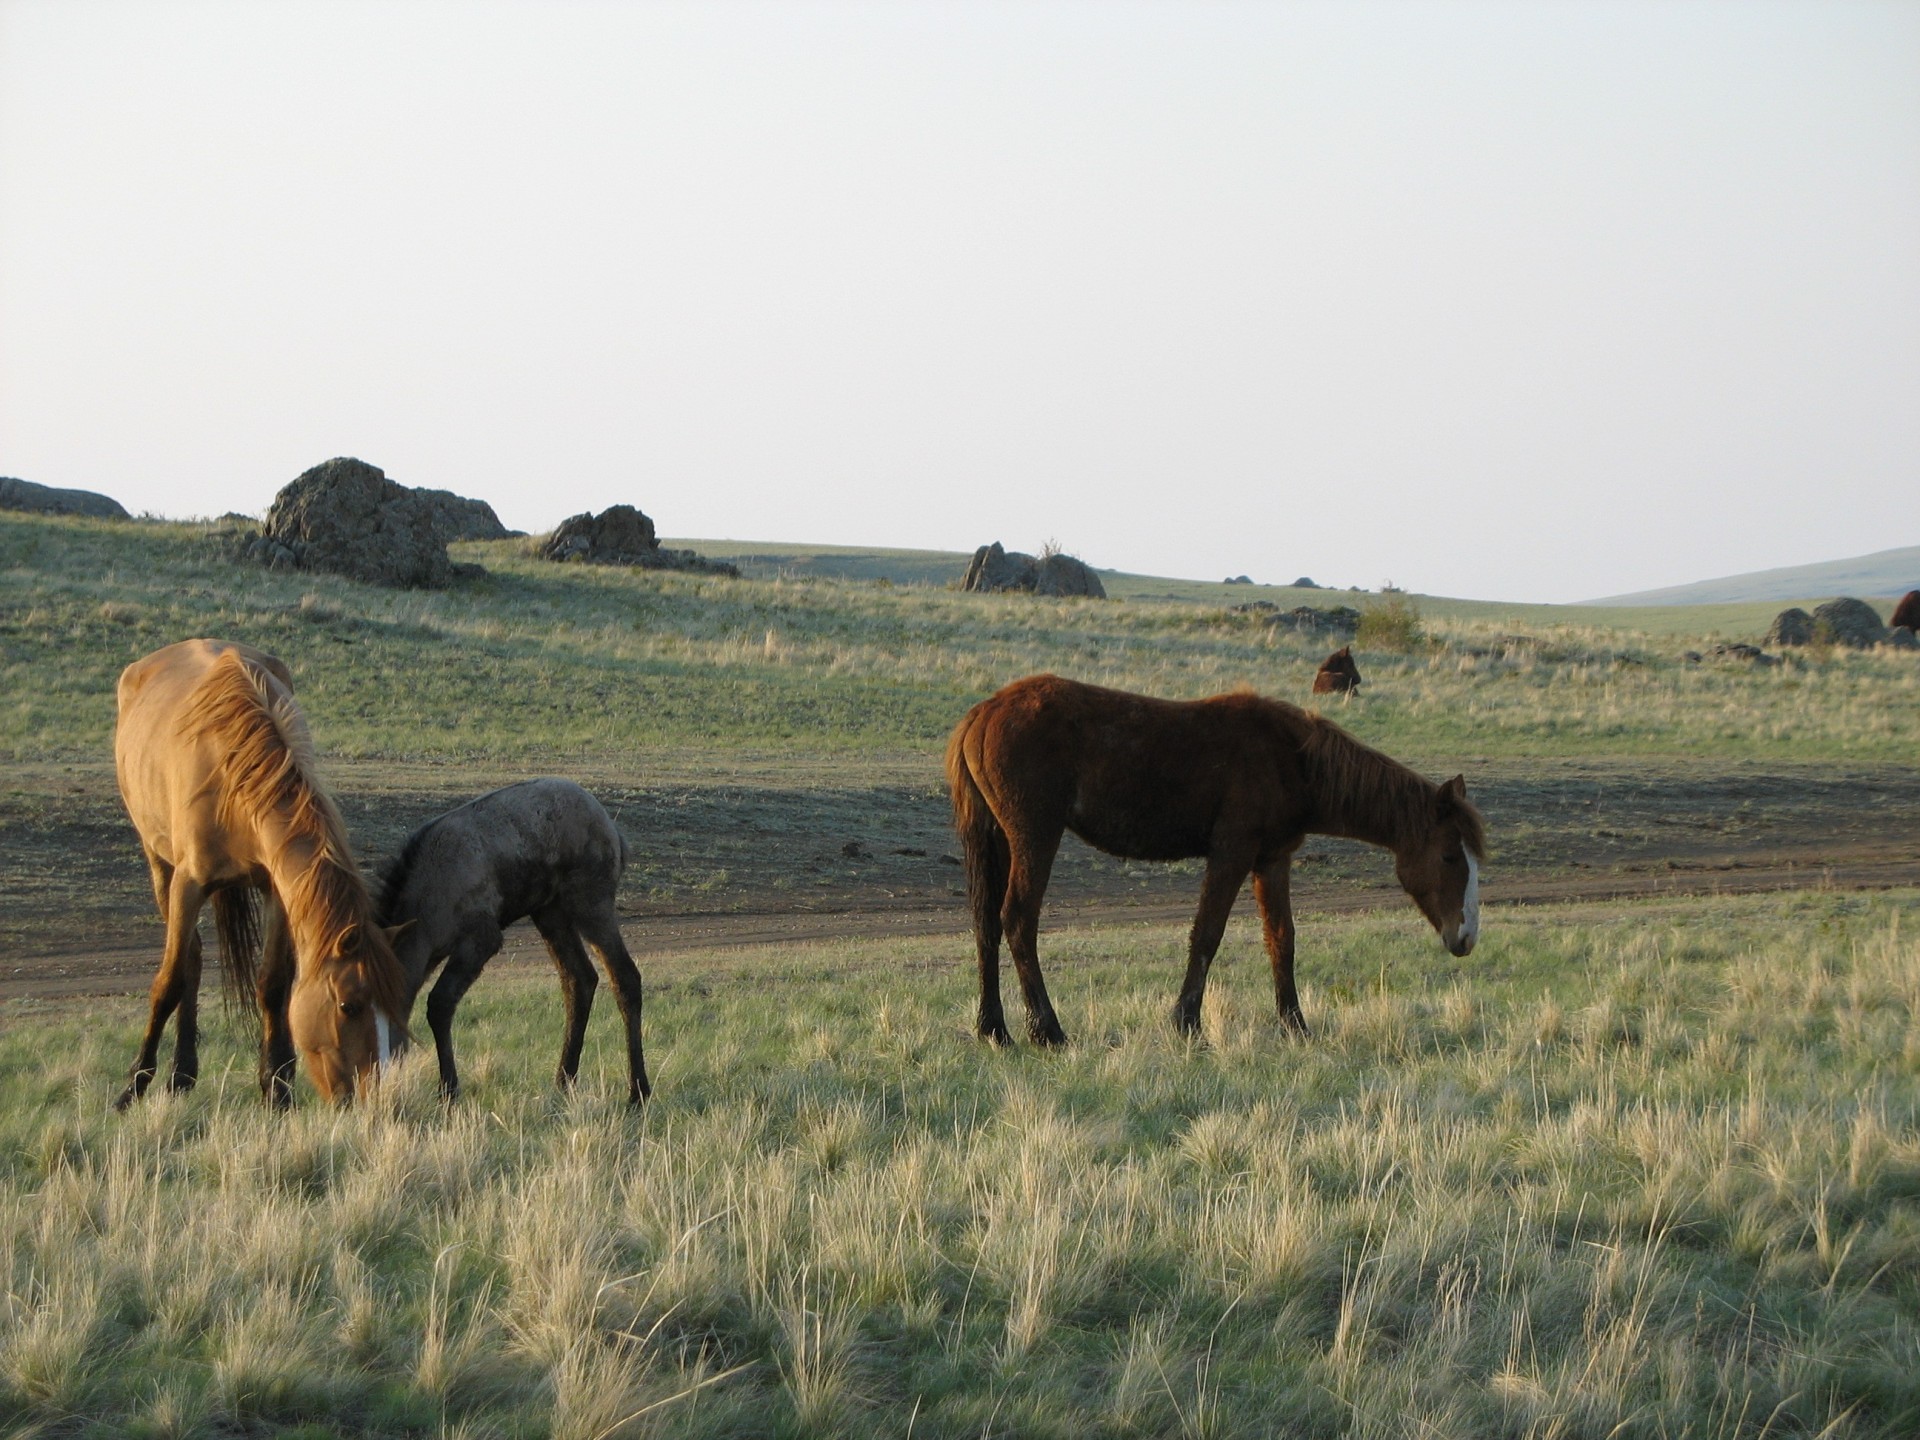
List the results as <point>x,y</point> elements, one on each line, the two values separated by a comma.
<point>1337,675</point>
<point>542,848</point>
<point>1907,612</point>
<point>1238,779</point>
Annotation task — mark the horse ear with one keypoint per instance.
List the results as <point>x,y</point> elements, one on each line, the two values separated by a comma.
<point>350,939</point>
<point>395,932</point>
<point>1452,795</point>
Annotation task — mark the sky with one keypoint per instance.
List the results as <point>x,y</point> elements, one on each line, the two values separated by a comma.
<point>1522,301</point>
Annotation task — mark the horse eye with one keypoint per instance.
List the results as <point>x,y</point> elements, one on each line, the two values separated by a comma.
<point>1451,859</point>
<point>352,1008</point>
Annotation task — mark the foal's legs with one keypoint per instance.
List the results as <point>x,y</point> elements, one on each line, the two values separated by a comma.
<point>1270,889</point>
<point>179,900</point>
<point>577,984</point>
<point>602,931</point>
<point>477,945</point>
<point>1032,852</point>
<point>273,986</point>
<point>1226,873</point>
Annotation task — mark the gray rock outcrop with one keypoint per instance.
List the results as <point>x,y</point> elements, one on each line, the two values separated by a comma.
<point>994,567</point>
<point>621,535</point>
<point>1303,619</point>
<point>1899,637</point>
<point>462,519</point>
<point>1849,622</point>
<point>45,500</point>
<point>1790,627</point>
<point>347,518</point>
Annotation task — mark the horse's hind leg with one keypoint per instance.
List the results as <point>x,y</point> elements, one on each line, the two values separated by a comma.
<point>1030,865</point>
<point>464,964</point>
<point>1270,889</point>
<point>602,931</point>
<point>577,983</point>
<point>1225,875</point>
<point>987,866</point>
<point>179,900</point>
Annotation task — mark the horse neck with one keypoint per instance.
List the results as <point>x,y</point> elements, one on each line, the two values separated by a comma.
<point>319,904</point>
<point>1361,794</point>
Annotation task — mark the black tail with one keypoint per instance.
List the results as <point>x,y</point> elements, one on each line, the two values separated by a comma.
<point>236,918</point>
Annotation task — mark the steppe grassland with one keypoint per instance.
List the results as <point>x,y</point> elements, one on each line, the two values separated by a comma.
<point>539,663</point>
<point>1652,1176</point>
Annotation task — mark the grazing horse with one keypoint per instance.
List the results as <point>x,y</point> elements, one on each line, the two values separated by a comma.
<point>1337,675</point>
<point>1238,779</point>
<point>216,770</point>
<point>1907,612</point>
<point>542,848</point>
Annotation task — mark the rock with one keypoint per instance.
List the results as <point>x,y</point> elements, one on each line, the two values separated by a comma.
<point>1790,627</point>
<point>462,519</point>
<point>1849,622</point>
<point>1901,637</point>
<point>1753,654</point>
<point>1305,583</point>
<point>45,500</point>
<point>347,518</point>
<point>1907,612</point>
<point>1337,675</point>
<point>621,535</point>
<point>1236,580</point>
<point>1305,620</point>
<point>996,568</point>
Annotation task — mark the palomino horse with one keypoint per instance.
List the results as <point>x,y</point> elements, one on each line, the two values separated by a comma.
<point>544,848</point>
<point>1337,675</point>
<point>1238,779</point>
<point>217,774</point>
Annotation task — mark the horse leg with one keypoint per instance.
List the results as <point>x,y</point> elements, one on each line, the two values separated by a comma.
<point>577,983</point>
<point>179,899</point>
<point>1270,889</point>
<point>1225,875</point>
<point>1031,864</point>
<point>602,931</point>
<point>464,964</point>
<point>987,864</point>
<point>273,986</point>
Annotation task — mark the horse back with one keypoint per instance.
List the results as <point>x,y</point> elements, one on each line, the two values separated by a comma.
<point>1137,776</point>
<point>167,771</point>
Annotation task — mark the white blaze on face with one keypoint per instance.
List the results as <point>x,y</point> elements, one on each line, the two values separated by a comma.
<point>1470,902</point>
<point>386,1039</point>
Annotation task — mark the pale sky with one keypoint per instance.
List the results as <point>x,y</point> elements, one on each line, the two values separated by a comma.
<point>1527,301</point>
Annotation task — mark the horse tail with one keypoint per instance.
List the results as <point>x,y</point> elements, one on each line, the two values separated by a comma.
<point>236,919</point>
<point>982,841</point>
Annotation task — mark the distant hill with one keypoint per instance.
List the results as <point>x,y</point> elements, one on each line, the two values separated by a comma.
<point>1884,573</point>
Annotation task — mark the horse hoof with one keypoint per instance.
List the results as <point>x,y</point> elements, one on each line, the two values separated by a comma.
<point>1053,1039</point>
<point>998,1038</point>
<point>126,1099</point>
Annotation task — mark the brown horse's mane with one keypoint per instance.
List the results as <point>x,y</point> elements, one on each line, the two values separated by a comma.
<point>266,767</point>
<point>1371,791</point>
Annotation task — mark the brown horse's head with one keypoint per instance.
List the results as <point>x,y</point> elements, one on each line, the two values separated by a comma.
<point>1440,868</point>
<point>344,1016</point>
<point>1337,675</point>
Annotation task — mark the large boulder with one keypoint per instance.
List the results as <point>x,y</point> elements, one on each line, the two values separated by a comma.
<point>346,517</point>
<point>1849,622</point>
<point>1792,626</point>
<point>462,519</point>
<point>994,567</point>
<point>45,500</point>
<point>621,535</point>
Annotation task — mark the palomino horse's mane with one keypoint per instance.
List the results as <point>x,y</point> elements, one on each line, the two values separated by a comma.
<point>266,768</point>
<point>1373,790</point>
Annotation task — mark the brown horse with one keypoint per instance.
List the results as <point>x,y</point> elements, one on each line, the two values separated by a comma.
<point>1337,675</point>
<point>216,771</point>
<point>1907,612</point>
<point>1238,779</point>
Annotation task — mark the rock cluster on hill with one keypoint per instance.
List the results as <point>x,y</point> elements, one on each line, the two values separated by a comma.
<point>996,568</point>
<point>1845,621</point>
<point>621,535</point>
<point>346,517</point>
<point>1303,619</point>
<point>45,500</point>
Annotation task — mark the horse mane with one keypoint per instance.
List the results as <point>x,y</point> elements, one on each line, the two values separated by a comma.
<point>1373,791</point>
<point>266,767</point>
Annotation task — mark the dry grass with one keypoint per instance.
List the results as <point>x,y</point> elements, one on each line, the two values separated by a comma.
<point>1646,1174</point>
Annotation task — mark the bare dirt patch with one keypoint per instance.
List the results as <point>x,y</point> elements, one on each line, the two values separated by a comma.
<point>774,852</point>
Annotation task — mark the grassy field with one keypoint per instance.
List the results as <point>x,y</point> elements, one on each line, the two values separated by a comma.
<point>1653,1174</point>
<point>540,664</point>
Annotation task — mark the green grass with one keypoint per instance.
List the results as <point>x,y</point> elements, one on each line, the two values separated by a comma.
<point>540,664</point>
<point>1644,1174</point>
